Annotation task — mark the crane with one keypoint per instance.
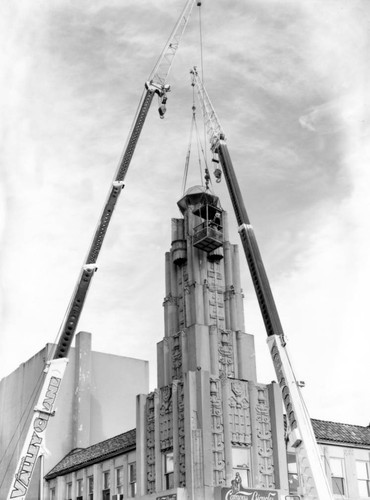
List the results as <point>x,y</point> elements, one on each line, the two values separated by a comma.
<point>314,483</point>
<point>55,368</point>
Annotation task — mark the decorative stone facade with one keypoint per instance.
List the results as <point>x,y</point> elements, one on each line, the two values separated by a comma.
<point>210,427</point>
<point>209,407</point>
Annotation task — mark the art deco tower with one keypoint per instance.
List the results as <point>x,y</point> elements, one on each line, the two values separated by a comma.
<point>209,421</point>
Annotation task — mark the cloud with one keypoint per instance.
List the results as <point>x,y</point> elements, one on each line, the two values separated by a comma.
<point>289,86</point>
<point>346,113</point>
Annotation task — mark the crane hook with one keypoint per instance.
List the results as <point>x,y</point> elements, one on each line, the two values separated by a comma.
<point>217,171</point>
<point>162,108</point>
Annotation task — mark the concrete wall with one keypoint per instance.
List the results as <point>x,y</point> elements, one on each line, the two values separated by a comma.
<point>96,401</point>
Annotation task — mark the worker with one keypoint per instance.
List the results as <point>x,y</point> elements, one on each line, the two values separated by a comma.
<point>216,221</point>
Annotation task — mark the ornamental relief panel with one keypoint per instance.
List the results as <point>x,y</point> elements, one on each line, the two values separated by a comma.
<point>181,431</point>
<point>226,354</point>
<point>217,431</point>
<point>150,443</point>
<point>177,356</point>
<point>239,413</point>
<point>264,446</point>
<point>165,418</point>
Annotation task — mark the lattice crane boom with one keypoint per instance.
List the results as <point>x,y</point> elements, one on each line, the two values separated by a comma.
<point>55,369</point>
<point>314,483</point>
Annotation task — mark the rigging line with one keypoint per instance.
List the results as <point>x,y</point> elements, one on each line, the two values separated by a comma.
<point>201,45</point>
<point>202,69</point>
<point>187,160</point>
<point>200,146</point>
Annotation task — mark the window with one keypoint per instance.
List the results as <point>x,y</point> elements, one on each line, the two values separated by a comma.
<point>337,476</point>
<point>90,488</point>
<point>79,489</point>
<point>363,478</point>
<point>119,481</point>
<point>292,473</point>
<point>52,494</point>
<point>132,479</point>
<point>106,480</point>
<point>69,491</point>
<point>241,464</point>
<point>168,470</point>
<point>106,485</point>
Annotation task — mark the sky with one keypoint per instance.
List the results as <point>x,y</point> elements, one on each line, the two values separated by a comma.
<point>289,82</point>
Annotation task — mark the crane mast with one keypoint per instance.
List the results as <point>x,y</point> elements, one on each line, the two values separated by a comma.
<point>314,484</point>
<point>55,368</point>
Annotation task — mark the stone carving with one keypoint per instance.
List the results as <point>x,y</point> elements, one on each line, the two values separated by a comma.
<point>165,418</point>
<point>181,435</point>
<point>264,447</point>
<point>217,430</point>
<point>226,354</point>
<point>239,414</point>
<point>177,356</point>
<point>171,300</point>
<point>183,288</point>
<point>181,310</point>
<point>215,285</point>
<point>150,443</point>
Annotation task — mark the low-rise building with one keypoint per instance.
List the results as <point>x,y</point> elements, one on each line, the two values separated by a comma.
<point>88,410</point>
<point>107,470</point>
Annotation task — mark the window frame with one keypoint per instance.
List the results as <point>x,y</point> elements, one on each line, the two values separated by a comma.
<point>132,479</point>
<point>338,483</point>
<point>79,487</point>
<point>90,487</point>
<point>119,480</point>
<point>168,472</point>
<point>69,495</point>
<point>361,480</point>
<point>293,476</point>
<point>243,469</point>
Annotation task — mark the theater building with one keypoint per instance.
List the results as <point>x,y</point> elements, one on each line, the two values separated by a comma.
<point>209,430</point>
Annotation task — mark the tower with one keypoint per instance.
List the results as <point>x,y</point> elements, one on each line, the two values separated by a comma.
<point>209,425</point>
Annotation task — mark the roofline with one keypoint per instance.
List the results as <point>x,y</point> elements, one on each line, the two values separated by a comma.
<point>132,447</point>
<point>87,463</point>
<point>340,423</point>
<point>343,444</point>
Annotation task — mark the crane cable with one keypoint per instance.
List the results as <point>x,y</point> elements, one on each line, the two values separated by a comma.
<point>217,171</point>
<point>200,151</point>
<point>201,147</point>
<point>187,160</point>
<point>202,66</point>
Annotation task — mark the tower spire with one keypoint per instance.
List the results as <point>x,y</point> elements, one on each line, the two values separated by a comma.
<point>207,422</point>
